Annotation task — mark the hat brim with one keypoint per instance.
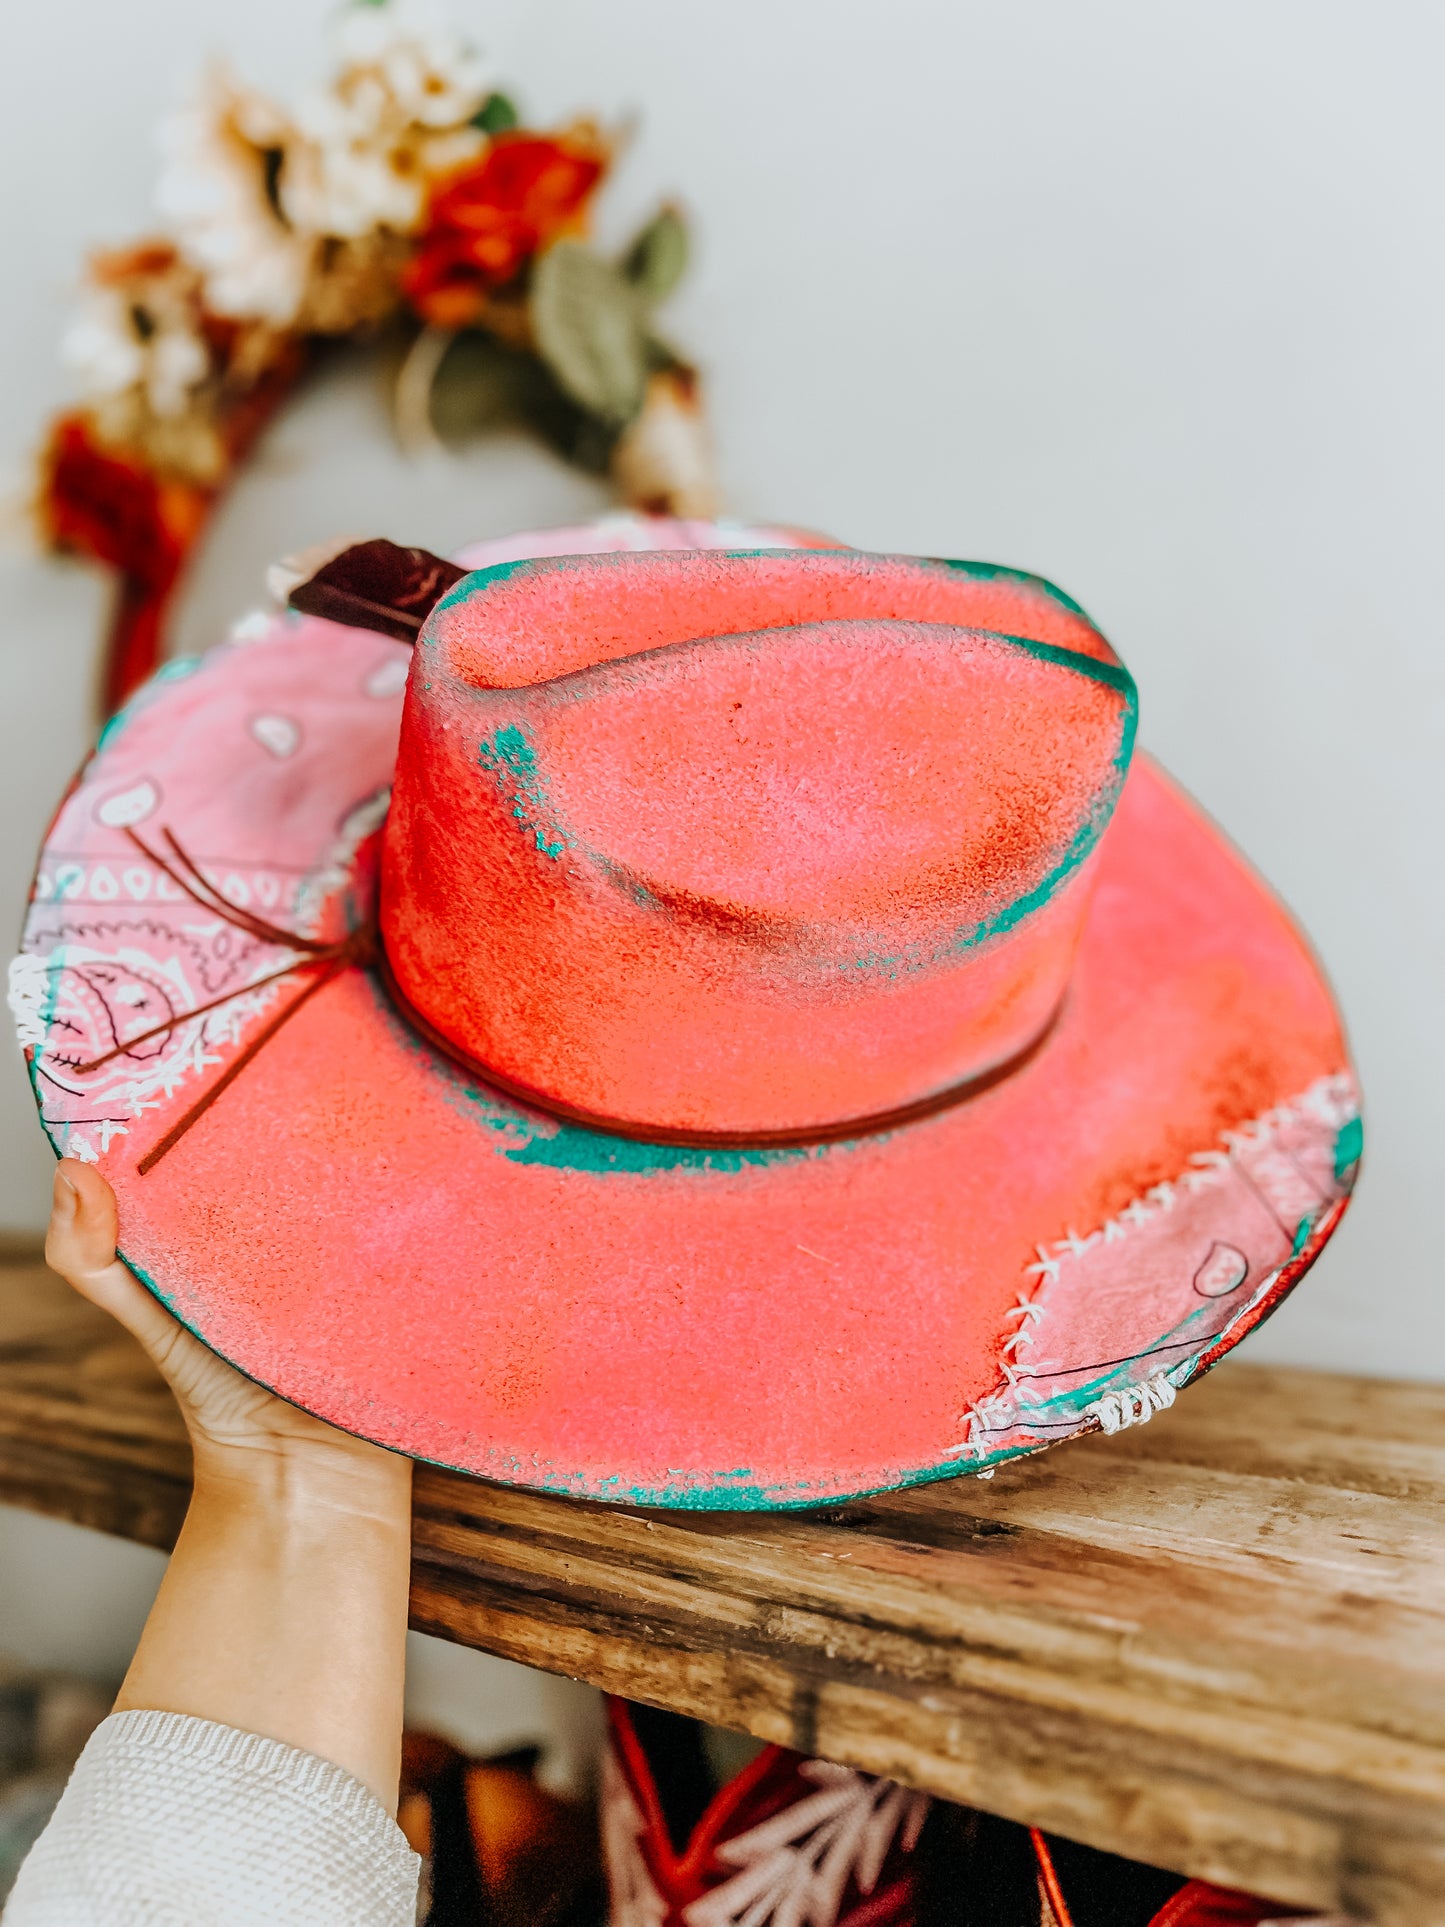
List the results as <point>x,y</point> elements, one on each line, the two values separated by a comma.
<point>365,1229</point>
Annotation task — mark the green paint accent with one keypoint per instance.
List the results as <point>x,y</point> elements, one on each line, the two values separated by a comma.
<point>996,572</point>
<point>574,1147</point>
<point>510,755</point>
<point>1114,674</point>
<point>31,1061</point>
<point>510,748</point>
<point>112,729</point>
<point>528,1138</point>
<point>165,1298</point>
<point>173,671</point>
<point>1302,1235</point>
<point>731,1491</point>
<point>482,579</point>
<point>1349,1143</point>
<point>478,582</point>
<point>1088,833</point>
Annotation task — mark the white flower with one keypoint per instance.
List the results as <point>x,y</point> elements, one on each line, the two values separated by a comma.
<point>222,157</point>
<point>416,62</point>
<point>138,333</point>
<point>396,116</point>
<point>347,188</point>
<point>663,459</point>
<point>179,363</point>
<point>251,196</point>
<point>100,347</point>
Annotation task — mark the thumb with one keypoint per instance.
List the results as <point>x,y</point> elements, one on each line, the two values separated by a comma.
<point>80,1245</point>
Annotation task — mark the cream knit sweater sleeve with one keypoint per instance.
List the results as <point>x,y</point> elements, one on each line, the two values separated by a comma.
<point>176,1822</point>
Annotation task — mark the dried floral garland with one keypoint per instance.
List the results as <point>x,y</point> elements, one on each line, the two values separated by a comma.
<point>403,195</point>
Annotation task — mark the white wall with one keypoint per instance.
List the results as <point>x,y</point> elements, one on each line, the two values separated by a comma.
<point>1148,296</point>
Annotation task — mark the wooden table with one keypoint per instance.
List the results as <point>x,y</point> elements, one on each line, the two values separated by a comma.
<point>1216,1643</point>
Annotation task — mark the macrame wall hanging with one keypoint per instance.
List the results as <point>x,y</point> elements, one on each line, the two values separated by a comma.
<point>405,204</point>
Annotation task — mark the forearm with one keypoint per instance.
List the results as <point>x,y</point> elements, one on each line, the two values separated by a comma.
<point>283,1611</point>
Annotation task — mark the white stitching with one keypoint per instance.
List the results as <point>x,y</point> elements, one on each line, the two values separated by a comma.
<point>29,999</point>
<point>1331,1099</point>
<point>1025,1308</point>
<point>1047,1267</point>
<point>1132,1404</point>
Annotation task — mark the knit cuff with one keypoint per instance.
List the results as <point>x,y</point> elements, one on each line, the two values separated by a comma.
<point>167,1816</point>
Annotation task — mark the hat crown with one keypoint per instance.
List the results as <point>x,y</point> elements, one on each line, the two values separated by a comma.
<point>747,844</point>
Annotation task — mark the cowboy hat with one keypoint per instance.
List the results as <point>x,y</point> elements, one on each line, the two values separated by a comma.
<point>720,1023</point>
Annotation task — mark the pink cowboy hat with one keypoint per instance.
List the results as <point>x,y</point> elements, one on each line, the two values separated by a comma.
<point>721,1023</point>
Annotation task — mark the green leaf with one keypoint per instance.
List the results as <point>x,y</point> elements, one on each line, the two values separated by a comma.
<point>577,436</point>
<point>588,321</point>
<point>478,384</point>
<point>657,259</point>
<point>496,115</point>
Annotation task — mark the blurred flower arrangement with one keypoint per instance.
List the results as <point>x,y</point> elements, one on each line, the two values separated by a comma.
<point>404,194</point>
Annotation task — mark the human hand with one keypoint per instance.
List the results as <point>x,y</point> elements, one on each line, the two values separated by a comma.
<point>237,1427</point>
<point>284,1608</point>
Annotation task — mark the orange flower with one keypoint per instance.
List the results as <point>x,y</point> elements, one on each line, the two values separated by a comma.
<point>108,504</point>
<point>487,222</point>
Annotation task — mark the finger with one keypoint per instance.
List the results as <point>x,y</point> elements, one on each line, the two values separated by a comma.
<point>80,1245</point>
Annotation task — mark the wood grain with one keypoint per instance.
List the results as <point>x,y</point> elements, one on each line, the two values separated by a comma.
<point>1216,1643</point>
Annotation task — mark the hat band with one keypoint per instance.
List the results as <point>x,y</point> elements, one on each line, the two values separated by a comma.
<point>868,1125</point>
<point>362,948</point>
